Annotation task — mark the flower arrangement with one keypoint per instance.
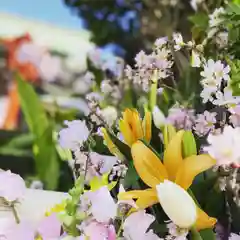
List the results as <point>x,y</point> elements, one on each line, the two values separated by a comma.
<point>157,155</point>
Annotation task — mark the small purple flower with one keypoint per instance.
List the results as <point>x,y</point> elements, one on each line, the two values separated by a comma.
<point>74,135</point>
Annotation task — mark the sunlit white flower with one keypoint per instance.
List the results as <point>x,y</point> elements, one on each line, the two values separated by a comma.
<point>224,147</point>
<point>178,40</point>
<point>74,135</point>
<point>216,18</point>
<point>214,73</point>
<point>177,204</point>
<point>226,98</point>
<point>207,93</point>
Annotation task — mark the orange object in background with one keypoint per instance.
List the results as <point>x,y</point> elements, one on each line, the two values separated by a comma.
<point>27,70</point>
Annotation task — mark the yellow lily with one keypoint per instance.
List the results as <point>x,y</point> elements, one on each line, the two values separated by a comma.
<point>133,128</point>
<point>174,168</point>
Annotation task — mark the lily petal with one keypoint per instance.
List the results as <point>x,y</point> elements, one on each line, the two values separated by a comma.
<point>148,166</point>
<point>147,126</point>
<point>136,123</point>
<point>173,155</point>
<point>111,146</point>
<point>191,167</point>
<point>203,220</point>
<point>126,132</point>
<point>145,198</point>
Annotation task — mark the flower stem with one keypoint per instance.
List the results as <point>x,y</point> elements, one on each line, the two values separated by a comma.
<point>17,219</point>
<point>153,95</point>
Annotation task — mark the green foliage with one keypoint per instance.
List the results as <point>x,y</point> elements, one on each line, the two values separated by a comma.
<point>46,157</point>
<point>235,76</point>
<point>131,178</point>
<point>189,147</point>
<point>200,21</point>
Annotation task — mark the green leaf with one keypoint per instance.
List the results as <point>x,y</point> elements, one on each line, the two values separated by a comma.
<point>189,144</point>
<point>131,178</point>
<point>32,108</point>
<point>11,151</point>
<point>200,20</point>
<point>46,157</point>
<point>21,141</point>
<point>233,8</point>
<point>123,148</point>
<point>47,163</point>
<point>207,234</point>
<point>195,235</point>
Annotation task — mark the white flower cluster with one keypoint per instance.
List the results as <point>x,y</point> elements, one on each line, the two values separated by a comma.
<point>215,74</point>
<point>216,31</point>
<point>216,18</point>
<point>151,67</point>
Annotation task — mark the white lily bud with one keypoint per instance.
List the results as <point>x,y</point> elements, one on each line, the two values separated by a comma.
<point>158,117</point>
<point>177,204</point>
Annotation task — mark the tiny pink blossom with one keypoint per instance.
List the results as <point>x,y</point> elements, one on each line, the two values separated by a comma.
<point>13,186</point>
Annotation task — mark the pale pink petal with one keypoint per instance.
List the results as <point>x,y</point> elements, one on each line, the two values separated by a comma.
<point>138,231</point>
<point>103,206</point>
<point>50,227</point>
<point>13,186</point>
